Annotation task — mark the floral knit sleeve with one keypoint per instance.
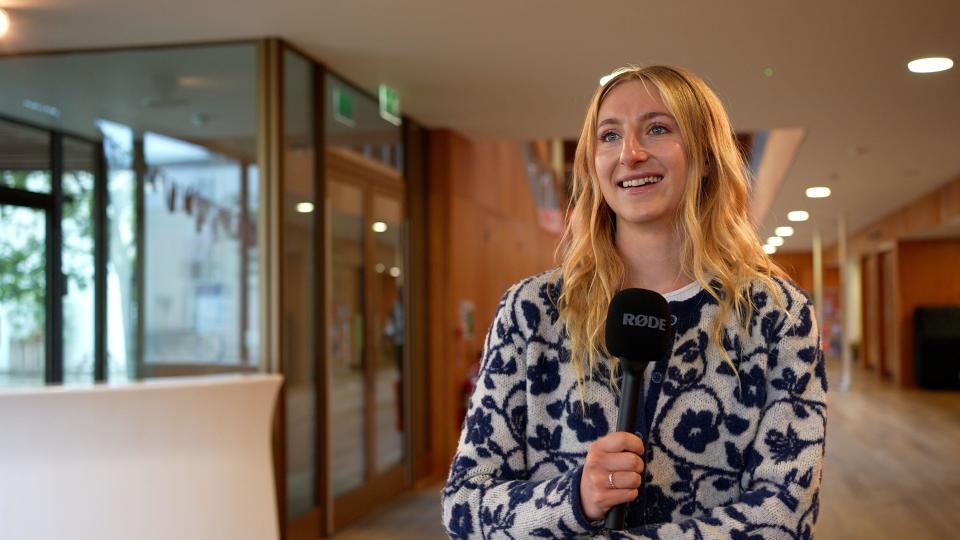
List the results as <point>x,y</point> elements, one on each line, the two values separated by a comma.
<point>489,493</point>
<point>782,468</point>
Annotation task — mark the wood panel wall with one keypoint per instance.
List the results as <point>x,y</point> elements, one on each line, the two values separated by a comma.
<point>928,275</point>
<point>868,276</point>
<point>483,236</point>
<point>799,266</point>
<point>939,208</point>
<point>896,281</point>
<point>890,366</point>
<point>872,338</point>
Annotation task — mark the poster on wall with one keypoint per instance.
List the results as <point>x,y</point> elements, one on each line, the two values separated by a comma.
<point>465,325</point>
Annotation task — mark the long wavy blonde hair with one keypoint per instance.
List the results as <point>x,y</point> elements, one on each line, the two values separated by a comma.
<point>719,243</point>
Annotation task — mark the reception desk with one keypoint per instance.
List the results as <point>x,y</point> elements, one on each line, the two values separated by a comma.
<point>181,459</point>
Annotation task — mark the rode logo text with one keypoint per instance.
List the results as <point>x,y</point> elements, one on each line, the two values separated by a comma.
<point>644,321</point>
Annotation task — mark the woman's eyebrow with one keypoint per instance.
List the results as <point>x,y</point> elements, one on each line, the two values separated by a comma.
<point>643,118</point>
<point>653,114</point>
<point>606,121</point>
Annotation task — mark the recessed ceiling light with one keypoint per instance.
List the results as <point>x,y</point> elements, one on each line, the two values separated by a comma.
<point>784,232</point>
<point>775,241</point>
<point>305,207</point>
<point>379,226</point>
<point>930,65</point>
<point>819,192</point>
<point>4,22</point>
<point>197,81</point>
<point>41,108</point>
<point>798,215</point>
<point>769,250</point>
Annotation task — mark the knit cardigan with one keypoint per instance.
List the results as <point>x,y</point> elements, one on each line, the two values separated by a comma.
<point>727,455</point>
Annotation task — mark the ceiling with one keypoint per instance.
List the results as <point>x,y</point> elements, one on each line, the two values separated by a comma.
<point>876,134</point>
<point>141,90</point>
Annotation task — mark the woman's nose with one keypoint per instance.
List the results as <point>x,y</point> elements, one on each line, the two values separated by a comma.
<point>633,151</point>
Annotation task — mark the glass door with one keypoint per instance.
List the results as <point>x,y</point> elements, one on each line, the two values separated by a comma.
<point>365,314</point>
<point>49,213</point>
<point>388,324</point>
<point>23,295</point>
<point>346,355</point>
<point>25,206</point>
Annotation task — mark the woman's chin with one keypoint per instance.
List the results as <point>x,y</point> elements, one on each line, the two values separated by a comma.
<point>646,218</point>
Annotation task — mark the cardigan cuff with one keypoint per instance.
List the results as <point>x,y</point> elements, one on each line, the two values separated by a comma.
<point>582,520</point>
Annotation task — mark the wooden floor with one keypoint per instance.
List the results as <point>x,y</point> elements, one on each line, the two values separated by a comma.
<point>892,470</point>
<point>414,517</point>
<point>893,463</point>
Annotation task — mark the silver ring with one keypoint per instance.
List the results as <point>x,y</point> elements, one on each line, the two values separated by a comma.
<point>610,480</point>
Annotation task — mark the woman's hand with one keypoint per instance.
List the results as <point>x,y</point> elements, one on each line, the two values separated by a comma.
<point>614,457</point>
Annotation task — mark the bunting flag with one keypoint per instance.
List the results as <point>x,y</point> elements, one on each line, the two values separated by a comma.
<point>228,220</point>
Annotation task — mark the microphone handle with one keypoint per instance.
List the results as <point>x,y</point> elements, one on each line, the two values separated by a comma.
<point>626,421</point>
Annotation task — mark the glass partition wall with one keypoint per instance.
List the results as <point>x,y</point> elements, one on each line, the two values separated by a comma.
<point>202,209</point>
<point>142,164</point>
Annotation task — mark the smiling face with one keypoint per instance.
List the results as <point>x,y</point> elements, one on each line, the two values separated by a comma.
<point>639,158</point>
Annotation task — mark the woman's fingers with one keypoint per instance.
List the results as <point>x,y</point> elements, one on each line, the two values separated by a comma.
<point>618,451</point>
<point>624,480</point>
<point>604,497</point>
<point>620,461</point>
<point>611,473</point>
<point>619,441</point>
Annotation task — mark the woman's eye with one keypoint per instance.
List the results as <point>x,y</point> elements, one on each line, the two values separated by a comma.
<point>658,130</point>
<point>608,136</point>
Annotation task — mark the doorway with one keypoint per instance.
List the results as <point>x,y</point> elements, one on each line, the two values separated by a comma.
<point>365,317</point>
<point>51,309</point>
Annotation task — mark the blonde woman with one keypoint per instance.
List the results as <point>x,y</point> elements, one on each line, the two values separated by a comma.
<point>730,439</point>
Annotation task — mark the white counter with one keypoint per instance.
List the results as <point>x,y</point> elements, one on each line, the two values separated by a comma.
<point>186,458</point>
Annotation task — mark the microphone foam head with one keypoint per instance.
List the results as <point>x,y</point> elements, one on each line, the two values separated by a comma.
<point>638,326</point>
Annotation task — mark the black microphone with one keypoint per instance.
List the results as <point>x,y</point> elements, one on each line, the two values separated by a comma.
<point>638,332</point>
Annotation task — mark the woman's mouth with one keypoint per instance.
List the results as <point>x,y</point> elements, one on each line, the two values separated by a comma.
<point>638,182</point>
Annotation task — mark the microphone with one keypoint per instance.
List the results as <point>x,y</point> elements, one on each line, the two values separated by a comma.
<point>638,332</point>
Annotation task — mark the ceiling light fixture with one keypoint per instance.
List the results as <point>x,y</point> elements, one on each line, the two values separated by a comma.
<point>784,232</point>
<point>197,81</point>
<point>305,207</point>
<point>41,108</point>
<point>930,65</point>
<point>798,215</point>
<point>819,192</point>
<point>775,241</point>
<point>769,250</point>
<point>379,226</point>
<point>4,22</point>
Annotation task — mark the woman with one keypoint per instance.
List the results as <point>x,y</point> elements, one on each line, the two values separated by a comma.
<point>736,415</point>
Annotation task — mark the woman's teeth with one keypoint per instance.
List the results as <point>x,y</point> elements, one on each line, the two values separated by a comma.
<point>641,181</point>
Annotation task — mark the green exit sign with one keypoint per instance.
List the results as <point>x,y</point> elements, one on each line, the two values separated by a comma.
<point>343,106</point>
<point>389,105</point>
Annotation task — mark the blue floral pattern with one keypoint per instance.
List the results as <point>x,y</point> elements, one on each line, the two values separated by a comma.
<point>696,430</point>
<point>731,453</point>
